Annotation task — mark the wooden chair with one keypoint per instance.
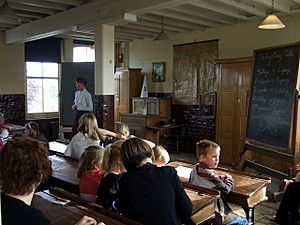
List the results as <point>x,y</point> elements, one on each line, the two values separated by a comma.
<point>173,138</point>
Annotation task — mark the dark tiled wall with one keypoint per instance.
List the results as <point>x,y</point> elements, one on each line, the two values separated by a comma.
<point>196,125</point>
<point>104,111</point>
<point>13,107</point>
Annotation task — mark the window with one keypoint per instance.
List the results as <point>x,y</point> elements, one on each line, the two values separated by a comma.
<point>42,87</point>
<point>84,54</point>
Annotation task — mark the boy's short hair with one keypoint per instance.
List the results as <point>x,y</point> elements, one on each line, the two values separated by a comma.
<point>203,146</point>
<point>81,80</point>
<point>133,152</point>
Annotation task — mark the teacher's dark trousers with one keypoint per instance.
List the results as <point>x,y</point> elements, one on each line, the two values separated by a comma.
<point>78,114</point>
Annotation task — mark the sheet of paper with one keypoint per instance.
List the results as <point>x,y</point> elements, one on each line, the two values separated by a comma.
<point>183,171</point>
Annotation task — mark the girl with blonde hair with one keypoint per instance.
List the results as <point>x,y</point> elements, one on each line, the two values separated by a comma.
<point>90,172</point>
<point>160,156</point>
<point>86,136</point>
<point>113,167</point>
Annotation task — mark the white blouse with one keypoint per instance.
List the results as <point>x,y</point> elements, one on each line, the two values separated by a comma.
<point>78,145</point>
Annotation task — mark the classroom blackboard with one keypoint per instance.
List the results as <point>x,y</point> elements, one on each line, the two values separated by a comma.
<point>273,91</point>
<point>69,72</point>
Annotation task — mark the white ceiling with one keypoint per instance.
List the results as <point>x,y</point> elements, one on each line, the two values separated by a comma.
<point>41,18</point>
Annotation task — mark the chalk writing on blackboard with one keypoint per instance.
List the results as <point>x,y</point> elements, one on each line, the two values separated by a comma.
<point>272,98</point>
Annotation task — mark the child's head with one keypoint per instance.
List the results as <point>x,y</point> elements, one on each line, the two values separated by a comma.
<point>24,164</point>
<point>208,152</point>
<point>133,152</point>
<point>80,83</point>
<point>123,129</point>
<point>112,158</point>
<point>32,129</point>
<point>90,159</point>
<point>88,125</point>
<point>160,156</point>
<point>1,118</point>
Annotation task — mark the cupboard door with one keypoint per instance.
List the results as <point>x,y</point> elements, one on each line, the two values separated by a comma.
<point>226,111</point>
<point>234,84</point>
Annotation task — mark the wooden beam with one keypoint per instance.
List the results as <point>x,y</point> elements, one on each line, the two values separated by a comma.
<point>68,2</point>
<point>219,9</point>
<point>277,5</point>
<point>32,8</point>
<point>43,4</point>
<point>174,22</point>
<point>97,11</point>
<point>187,18</point>
<point>133,33</point>
<point>249,8</point>
<point>209,15</point>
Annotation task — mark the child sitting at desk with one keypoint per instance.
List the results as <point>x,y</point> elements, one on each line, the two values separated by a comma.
<point>208,154</point>
<point>288,211</point>
<point>160,156</point>
<point>24,165</point>
<point>32,130</point>
<point>86,136</point>
<point>90,172</point>
<point>123,129</point>
<point>151,194</point>
<point>108,190</point>
<point>4,130</point>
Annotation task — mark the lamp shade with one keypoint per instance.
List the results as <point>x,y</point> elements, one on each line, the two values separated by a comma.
<point>162,36</point>
<point>271,22</point>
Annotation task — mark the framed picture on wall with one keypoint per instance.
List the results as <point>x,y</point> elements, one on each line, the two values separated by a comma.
<point>158,71</point>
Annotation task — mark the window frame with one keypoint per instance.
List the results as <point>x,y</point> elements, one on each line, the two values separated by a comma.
<point>43,115</point>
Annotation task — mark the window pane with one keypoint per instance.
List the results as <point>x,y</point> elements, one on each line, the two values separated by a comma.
<point>50,95</point>
<point>34,96</point>
<point>90,55</point>
<point>79,54</point>
<point>83,54</point>
<point>34,69</point>
<point>50,69</point>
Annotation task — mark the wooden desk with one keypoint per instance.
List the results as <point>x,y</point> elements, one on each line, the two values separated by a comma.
<point>165,128</point>
<point>64,173</point>
<point>248,190</point>
<point>203,202</point>
<point>72,212</point>
<point>57,147</point>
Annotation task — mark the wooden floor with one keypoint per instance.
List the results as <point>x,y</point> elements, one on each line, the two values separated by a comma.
<point>264,212</point>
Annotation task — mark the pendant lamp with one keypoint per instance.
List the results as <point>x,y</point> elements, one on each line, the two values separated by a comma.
<point>271,22</point>
<point>162,36</point>
<point>7,11</point>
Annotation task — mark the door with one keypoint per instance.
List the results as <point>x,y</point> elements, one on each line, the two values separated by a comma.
<point>234,80</point>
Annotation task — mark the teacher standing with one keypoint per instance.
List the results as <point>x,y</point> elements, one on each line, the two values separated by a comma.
<point>82,103</point>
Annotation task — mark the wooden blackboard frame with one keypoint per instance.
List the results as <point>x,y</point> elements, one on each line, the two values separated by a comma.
<point>288,146</point>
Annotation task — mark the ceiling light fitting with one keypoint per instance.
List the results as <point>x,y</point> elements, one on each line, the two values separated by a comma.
<point>271,22</point>
<point>7,11</point>
<point>162,36</point>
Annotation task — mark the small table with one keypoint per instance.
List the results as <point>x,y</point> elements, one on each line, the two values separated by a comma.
<point>158,129</point>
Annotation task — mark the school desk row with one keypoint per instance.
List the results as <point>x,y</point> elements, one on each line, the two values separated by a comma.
<point>249,189</point>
